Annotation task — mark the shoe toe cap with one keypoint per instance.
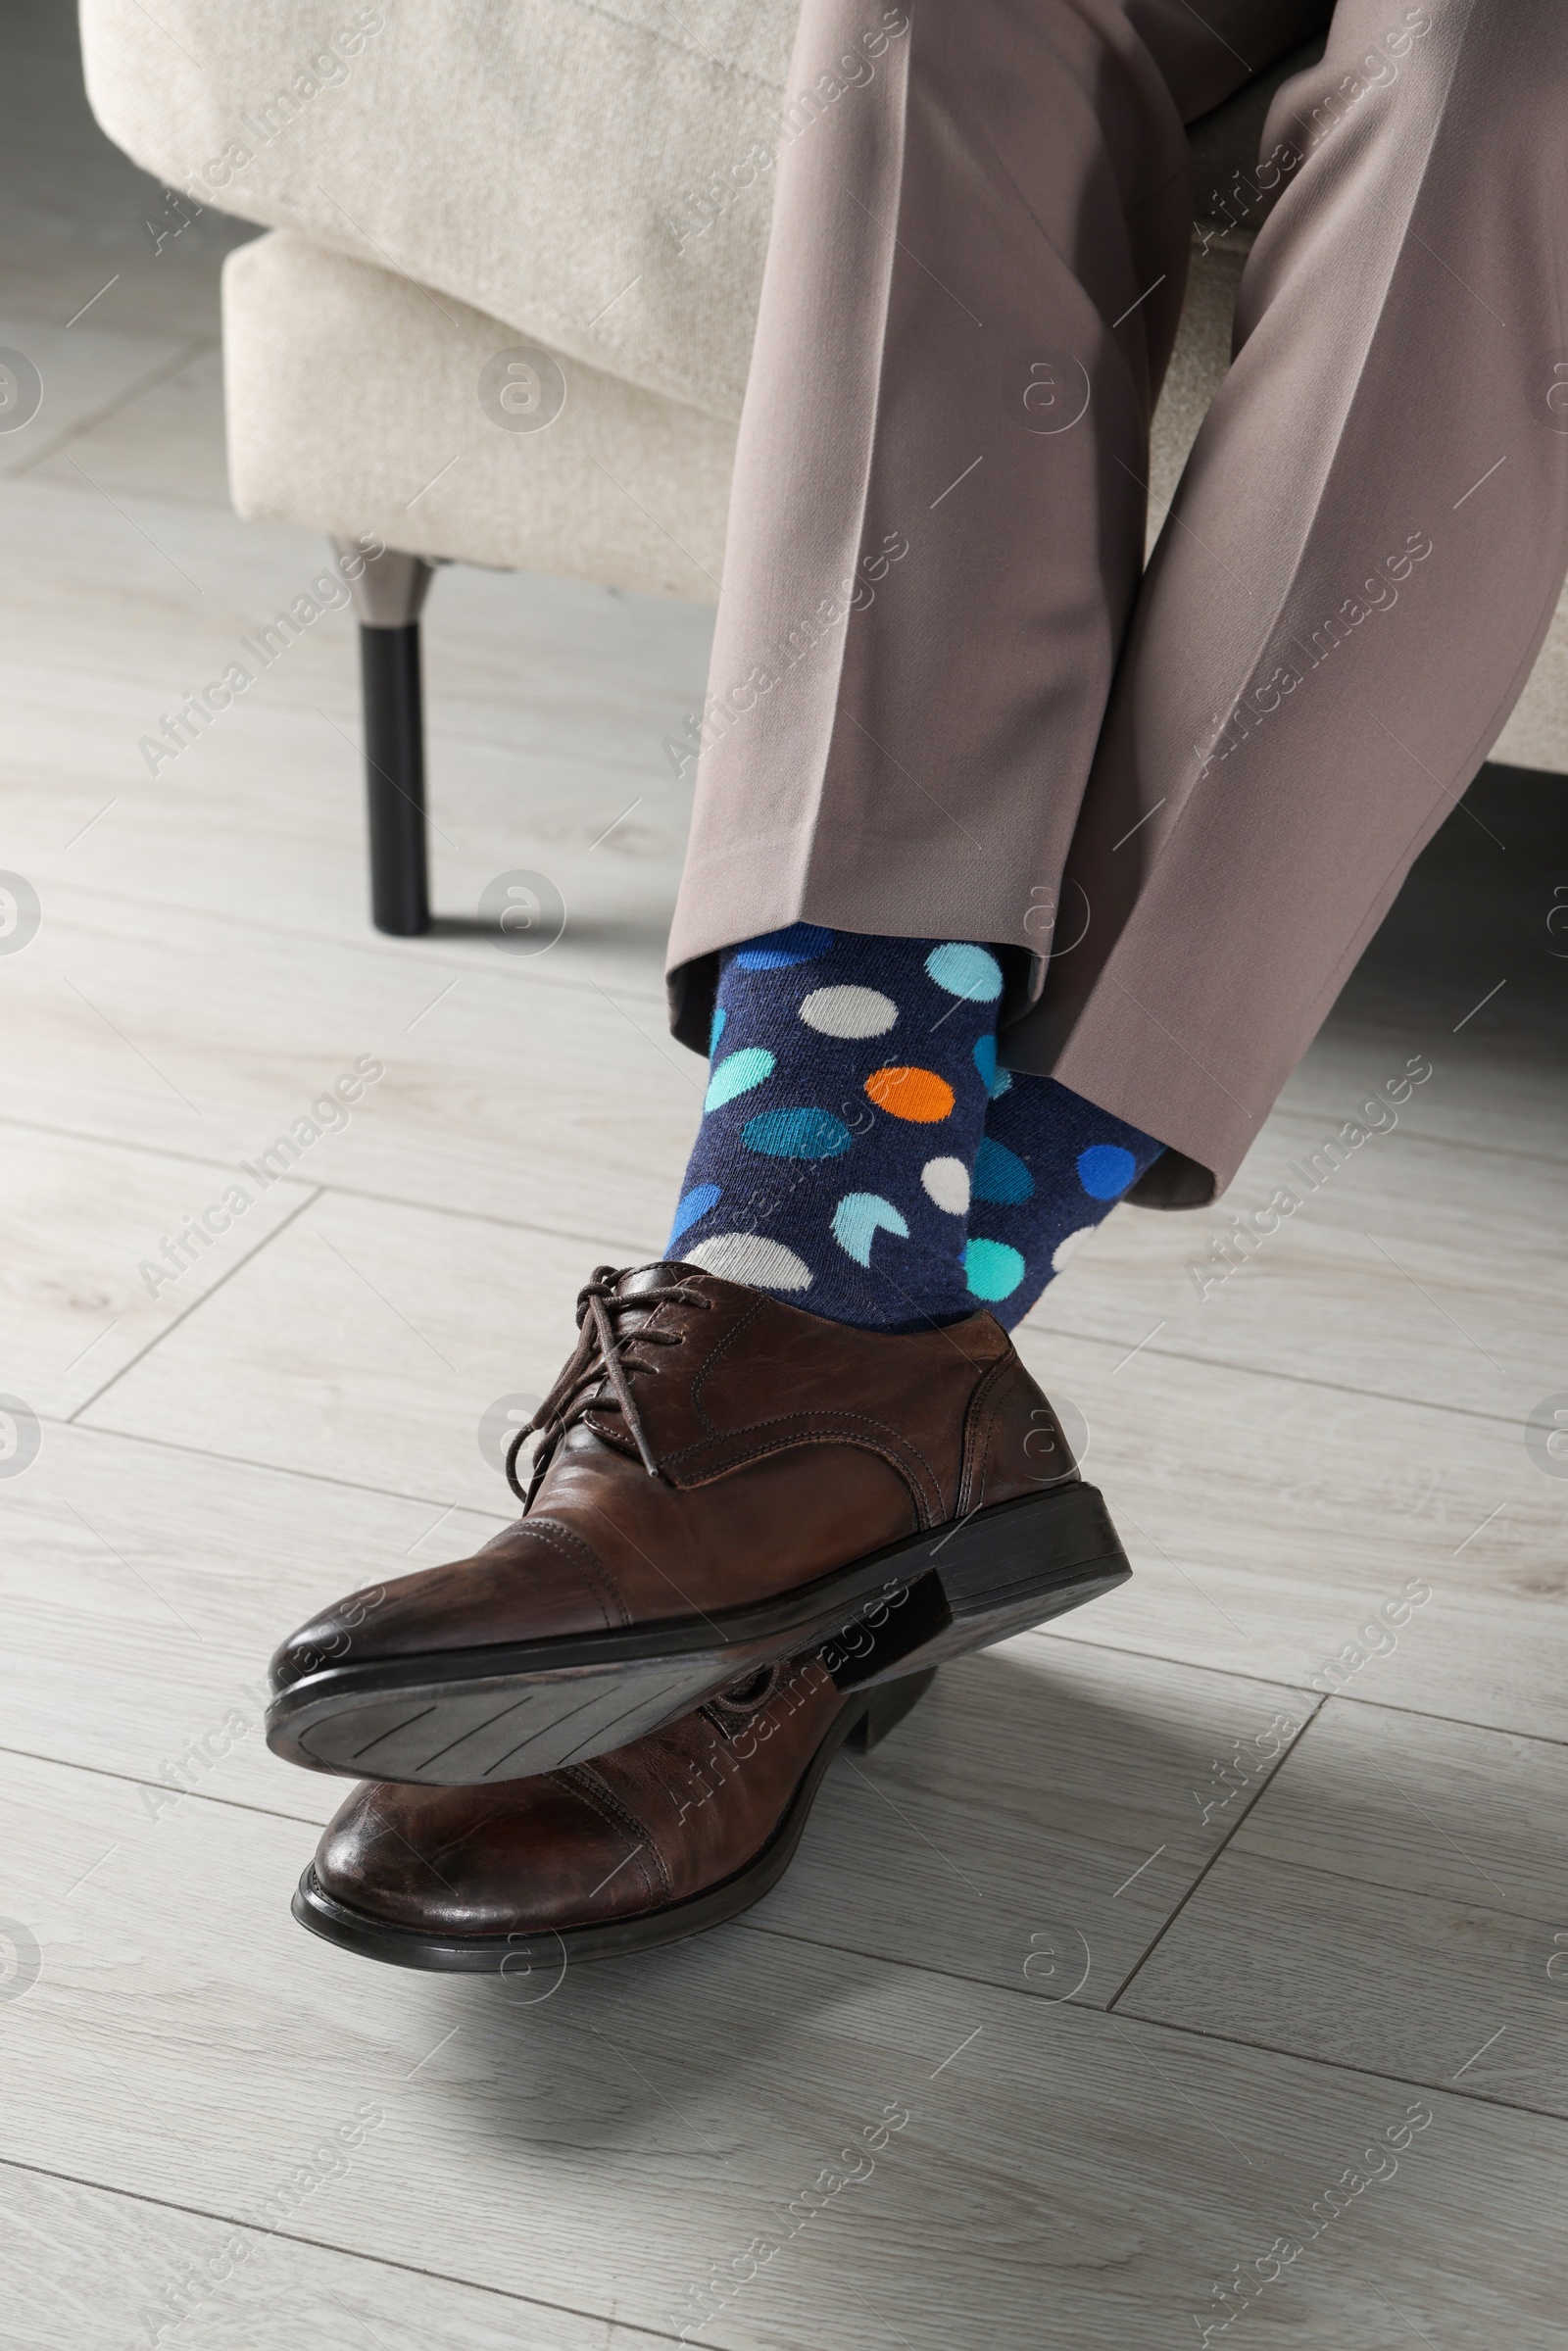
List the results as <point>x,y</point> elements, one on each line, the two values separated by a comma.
<point>526,1589</point>
<point>527,1858</point>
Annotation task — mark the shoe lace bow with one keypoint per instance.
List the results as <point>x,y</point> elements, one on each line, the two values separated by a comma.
<point>604,1353</point>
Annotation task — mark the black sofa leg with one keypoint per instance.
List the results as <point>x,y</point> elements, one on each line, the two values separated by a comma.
<point>394,779</point>
<point>388,595</point>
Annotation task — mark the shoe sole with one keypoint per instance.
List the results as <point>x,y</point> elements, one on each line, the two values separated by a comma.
<point>466,1718</point>
<point>521,1956</point>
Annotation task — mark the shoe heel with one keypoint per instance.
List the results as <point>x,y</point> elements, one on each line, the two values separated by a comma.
<point>1000,1572</point>
<point>886,1707</point>
<point>1026,1561</point>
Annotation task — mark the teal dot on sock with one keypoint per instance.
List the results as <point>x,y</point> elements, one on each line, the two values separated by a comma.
<point>999,1175</point>
<point>717,1030</point>
<point>737,1075</point>
<point>991,1270</point>
<point>858,1218</point>
<point>966,971</point>
<point>796,1134</point>
<point>995,1081</point>
<point>1105,1170</point>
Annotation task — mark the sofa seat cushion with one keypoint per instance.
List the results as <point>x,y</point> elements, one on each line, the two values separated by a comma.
<point>356,402</point>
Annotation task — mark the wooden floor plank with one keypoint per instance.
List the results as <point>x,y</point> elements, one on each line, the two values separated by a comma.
<point>1038,1819</point>
<point>1435,1808</point>
<point>145,1589</point>
<point>370,1343</point>
<point>1074,2176</point>
<point>1271,1523</point>
<point>88,370</point>
<point>1396,1899</point>
<point>479,1108</point>
<point>1418,1269</point>
<point>167,441</point>
<point>86,2268</point>
<point>79,1222</point>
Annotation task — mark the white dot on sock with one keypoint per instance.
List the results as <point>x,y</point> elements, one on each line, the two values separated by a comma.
<point>746,1257</point>
<point>1070,1247</point>
<point>947,1182</point>
<point>849,1011</point>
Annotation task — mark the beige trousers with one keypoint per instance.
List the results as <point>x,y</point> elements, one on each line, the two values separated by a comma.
<point>946,700</point>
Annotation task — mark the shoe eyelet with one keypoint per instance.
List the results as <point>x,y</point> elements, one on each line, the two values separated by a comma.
<point>745,1696</point>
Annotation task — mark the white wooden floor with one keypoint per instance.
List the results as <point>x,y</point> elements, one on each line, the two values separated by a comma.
<point>1156,1951</point>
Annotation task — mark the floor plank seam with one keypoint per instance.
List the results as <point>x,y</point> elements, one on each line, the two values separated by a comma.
<point>915,1967</point>
<point>196,1305</point>
<point>510,1224</point>
<point>1345,1697</point>
<point>1223,1846</point>
<point>429,958</point>
<point>1341,2065</point>
<point>1409,1893</point>
<point>1295,1379</point>
<point>1230,1673</point>
<point>1463,1722</point>
<point>102,1142</point>
<point>1557,1162</point>
<point>318,1477</point>
<point>109,1771</point>
<point>319,2244</point>
<point>385,1199</point>
<point>136,390</point>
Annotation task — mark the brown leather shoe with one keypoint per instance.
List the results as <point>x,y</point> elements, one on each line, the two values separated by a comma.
<point>650,1844</point>
<point>722,1481</point>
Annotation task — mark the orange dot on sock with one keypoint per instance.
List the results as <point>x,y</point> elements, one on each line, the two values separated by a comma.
<point>917,1095</point>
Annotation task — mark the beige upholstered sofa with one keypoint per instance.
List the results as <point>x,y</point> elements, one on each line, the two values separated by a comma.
<point>506,307</point>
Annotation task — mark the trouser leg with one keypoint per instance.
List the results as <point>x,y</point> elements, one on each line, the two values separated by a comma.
<point>1361,563</point>
<point>976,270</point>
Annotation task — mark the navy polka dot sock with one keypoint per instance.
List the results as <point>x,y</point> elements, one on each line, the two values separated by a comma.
<point>848,1083</point>
<point>860,1153</point>
<point>1050,1167</point>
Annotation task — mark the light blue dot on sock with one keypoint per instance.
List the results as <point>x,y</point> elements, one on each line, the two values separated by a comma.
<point>966,971</point>
<point>995,1081</point>
<point>796,1134</point>
<point>858,1218</point>
<point>776,950</point>
<point>691,1210</point>
<point>717,1030</point>
<point>999,1175</point>
<point>1105,1170</point>
<point>737,1075</point>
<point>991,1270</point>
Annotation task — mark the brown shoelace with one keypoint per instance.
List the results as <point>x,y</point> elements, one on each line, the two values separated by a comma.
<point>602,1353</point>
